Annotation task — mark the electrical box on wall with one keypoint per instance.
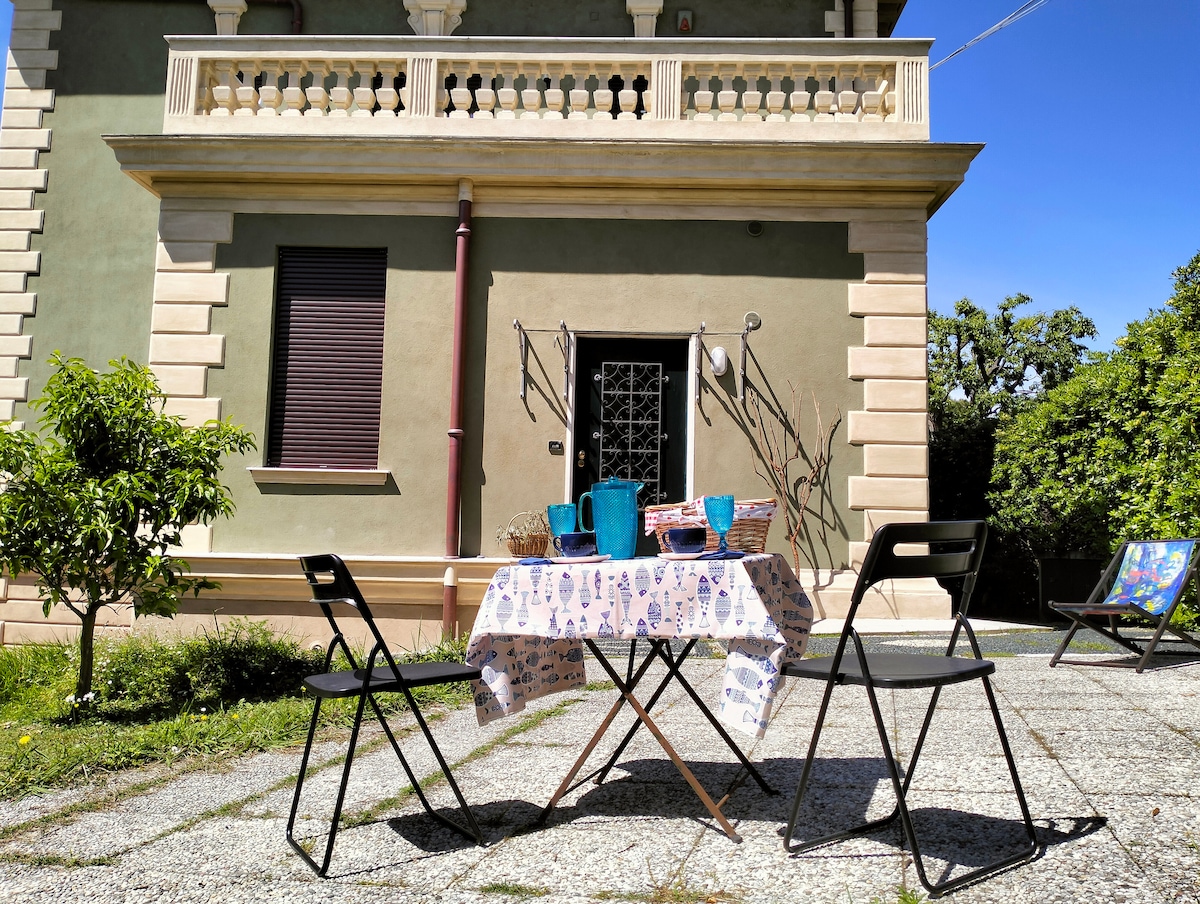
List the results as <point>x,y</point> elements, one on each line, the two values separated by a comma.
<point>684,23</point>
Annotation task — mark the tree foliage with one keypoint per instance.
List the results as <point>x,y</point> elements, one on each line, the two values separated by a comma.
<point>93,504</point>
<point>1113,453</point>
<point>981,365</point>
<point>990,363</point>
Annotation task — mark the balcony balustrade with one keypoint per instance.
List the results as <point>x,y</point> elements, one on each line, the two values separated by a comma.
<point>682,89</point>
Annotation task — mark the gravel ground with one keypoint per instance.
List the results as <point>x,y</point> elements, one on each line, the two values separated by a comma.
<point>1109,760</point>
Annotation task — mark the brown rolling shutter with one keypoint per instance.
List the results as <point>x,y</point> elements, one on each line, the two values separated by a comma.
<point>328,364</point>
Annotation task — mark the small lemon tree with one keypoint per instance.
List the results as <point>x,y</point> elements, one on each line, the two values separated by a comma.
<point>93,503</point>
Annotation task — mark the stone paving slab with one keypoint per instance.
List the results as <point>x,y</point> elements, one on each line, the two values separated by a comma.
<point>1110,776</point>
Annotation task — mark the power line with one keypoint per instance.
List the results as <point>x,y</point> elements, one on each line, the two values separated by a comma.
<point>1025,10</point>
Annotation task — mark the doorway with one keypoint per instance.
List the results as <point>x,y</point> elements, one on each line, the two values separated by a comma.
<point>630,419</point>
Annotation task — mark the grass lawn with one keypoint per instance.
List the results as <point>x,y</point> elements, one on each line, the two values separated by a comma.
<point>225,693</point>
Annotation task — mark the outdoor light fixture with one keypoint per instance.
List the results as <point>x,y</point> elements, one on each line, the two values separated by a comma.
<point>719,361</point>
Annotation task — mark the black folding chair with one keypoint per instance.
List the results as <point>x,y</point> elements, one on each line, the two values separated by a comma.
<point>331,583</point>
<point>1145,581</point>
<point>955,550</point>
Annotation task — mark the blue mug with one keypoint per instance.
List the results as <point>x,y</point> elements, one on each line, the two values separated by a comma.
<point>573,544</point>
<point>686,539</point>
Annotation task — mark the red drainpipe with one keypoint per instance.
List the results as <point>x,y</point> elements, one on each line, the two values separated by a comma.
<point>458,367</point>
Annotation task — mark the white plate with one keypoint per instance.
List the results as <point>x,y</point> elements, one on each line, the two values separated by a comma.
<point>580,560</point>
<point>679,556</point>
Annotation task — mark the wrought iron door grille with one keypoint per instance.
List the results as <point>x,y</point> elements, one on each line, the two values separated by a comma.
<point>631,434</point>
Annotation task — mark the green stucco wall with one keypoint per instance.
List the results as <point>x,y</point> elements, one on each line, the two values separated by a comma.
<point>609,18</point>
<point>595,275</point>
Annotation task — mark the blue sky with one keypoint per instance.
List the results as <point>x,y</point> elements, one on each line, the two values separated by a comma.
<point>1088,192</point>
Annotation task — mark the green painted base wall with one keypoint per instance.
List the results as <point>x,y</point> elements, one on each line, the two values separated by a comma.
<point>597,276</point>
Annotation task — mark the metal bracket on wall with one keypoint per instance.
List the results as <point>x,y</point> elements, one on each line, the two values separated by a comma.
<point>564,342</point>
<point>523,346</point>
<point>753,322</point>
<point>742,365</point>
<point>699,357</point>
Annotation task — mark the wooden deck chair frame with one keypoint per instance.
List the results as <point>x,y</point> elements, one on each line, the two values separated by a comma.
<point>1126,588</point>
<point>331,582</point>
<point>956,552</point>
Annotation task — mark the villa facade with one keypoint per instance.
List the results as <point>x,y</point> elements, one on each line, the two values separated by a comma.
<point>423,248</point>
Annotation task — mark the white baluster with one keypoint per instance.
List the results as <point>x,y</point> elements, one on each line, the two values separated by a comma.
<point>340,96</point>
<point>872,98</point>
<point>627,97</point>
<point>776,97</point>
<point>270,98</point>
<point>703,98</point>
<point>824,98</point>
<point>752,97</point>
<point>386,94</point>
<point>460,95</point>
<point>800,97</point>
<point>531,94</point>
<point>579,96</point>
<point>889,94</point>
<point>225,90</point>
<point>847,97</point>
<point>247,96</point>
<point>603,94</point>
<point>293,94</point>
<point>555,98</point>
<point>318,97</point>
<point>728,97</point>
<point>485,97</point>
<point>364,94</point>
<point>507,96</point>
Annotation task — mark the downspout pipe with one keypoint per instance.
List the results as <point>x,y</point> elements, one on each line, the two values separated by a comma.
<point>457,374</point>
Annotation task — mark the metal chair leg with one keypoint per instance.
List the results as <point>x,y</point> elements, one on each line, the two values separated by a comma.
<point>900,786</point>
<point>341,795</point>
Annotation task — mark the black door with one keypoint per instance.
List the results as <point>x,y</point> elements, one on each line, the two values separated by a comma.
<point>631,418</point>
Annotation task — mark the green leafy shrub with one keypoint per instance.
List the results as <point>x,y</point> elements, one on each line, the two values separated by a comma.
<point>139,677</point>
<point>1110,454</point>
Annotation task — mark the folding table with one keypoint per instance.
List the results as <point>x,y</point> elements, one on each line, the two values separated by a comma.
<point>534,621</point>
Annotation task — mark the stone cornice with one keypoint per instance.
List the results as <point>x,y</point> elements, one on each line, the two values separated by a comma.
<point>269,166</point>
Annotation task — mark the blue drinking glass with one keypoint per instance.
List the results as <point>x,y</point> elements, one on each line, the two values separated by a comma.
<point>719,512</point>
<point>561,518</point>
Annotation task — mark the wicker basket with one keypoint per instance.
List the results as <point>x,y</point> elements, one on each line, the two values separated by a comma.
<point>530,538</point>
<point>747,534</point>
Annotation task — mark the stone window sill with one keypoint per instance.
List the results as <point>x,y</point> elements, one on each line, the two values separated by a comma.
<point>320,476</point>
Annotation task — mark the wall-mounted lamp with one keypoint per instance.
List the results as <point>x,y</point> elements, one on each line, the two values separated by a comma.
<point>719,361</point>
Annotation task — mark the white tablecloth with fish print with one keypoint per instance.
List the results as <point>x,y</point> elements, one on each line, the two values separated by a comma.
<point>528,635</point>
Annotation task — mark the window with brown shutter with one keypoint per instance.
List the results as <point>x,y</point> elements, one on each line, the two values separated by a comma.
<point>327,375</point>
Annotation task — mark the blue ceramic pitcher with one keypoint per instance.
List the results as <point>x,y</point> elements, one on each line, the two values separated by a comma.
<point>614,516</point>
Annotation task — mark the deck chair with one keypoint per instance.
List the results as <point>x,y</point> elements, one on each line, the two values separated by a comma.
<point>954,551</point>
<point>1145,579</point>
<point>331,584</point>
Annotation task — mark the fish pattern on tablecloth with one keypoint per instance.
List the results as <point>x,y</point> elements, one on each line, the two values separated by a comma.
<point>527,638</point>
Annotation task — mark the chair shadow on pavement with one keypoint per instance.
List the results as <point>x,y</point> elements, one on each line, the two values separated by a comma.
<point>497,819</point>
<point>845,791</point>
